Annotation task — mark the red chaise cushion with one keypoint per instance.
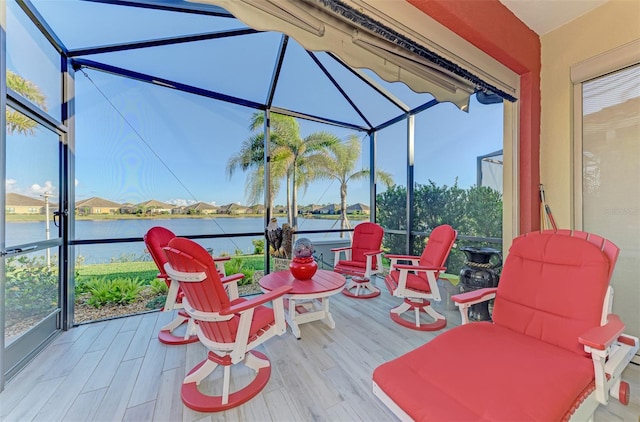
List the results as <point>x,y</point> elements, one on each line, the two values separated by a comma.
<point>552,288</point>
<point>482,371</point>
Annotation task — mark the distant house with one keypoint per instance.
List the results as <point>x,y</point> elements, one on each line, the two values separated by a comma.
<point>21,204</point>
<point>257,209</point>
<point>234,209</point>
<point>201,208</point>
<point>358,208</point>
<point>97,205</point>
<point>127,208</point>
<point>280,209</point>
<point>329,209</point>
<point>155,207</point>
<point>310,209</point>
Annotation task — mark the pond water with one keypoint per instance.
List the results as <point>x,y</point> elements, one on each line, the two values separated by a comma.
<point>25,232</point>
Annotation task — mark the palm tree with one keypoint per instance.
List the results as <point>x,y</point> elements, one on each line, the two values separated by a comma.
<point>343,158</point>
<point>251,158</point>
<point>306,160</point>
<point>16,121</point>
<point>294,158</point>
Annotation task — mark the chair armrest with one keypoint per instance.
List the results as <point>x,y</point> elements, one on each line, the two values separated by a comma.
<point>464,300</point>
<point>259,300</point>
<point>231,278</point>
<point>403,257</point>
<point>346,248</point>
<point>475,296</point>
<point>418,267</point>
<point>372,253</point>
<point>602,337</point>
<point>221,258</point>
<point>230,283</point>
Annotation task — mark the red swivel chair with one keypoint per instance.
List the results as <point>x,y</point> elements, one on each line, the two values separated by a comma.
<point>230,329</point>
<point>553,352</point>
<point>156,239</point>
<point>417,282</point>
<point>362,260</point>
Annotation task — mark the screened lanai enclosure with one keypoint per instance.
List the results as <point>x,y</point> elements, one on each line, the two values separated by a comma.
<point>123,115</point>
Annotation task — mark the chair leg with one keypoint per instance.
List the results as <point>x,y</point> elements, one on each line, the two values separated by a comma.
<point>167,336</point>
<point>364,289</point>
<point>194,399</point>
<point>418,306</point>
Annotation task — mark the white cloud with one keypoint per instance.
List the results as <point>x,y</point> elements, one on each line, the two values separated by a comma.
<point>38,189</point>
<point>77,182</point>
<point>10,185</point>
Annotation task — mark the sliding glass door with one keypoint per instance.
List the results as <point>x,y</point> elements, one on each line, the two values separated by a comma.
<point>611,178</point>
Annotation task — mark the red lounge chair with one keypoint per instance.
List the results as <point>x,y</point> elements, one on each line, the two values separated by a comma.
<point>155,239</point>
<point>362,260</point>
<point>230,329</point>
<point>553,351</point>
<point>417,282</point>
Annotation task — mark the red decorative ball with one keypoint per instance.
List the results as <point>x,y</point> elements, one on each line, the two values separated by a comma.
<point>303,268</point>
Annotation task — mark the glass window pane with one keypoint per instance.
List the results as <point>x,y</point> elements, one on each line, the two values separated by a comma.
<point>93,23</point>
<point>33,65</point>
<point>32,183</point>
<point>145,151</point>
<point>453,149</point>
<point>120,278</point>
<point>31,291</point>
<point>239,66</point>
<point>391,201</point>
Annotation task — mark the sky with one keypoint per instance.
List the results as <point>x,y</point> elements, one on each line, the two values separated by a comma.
<point>137,141</point>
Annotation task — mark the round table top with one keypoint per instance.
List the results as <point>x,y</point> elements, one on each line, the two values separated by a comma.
<point>322,281</point>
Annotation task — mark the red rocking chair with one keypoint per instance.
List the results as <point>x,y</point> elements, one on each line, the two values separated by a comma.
<point>230,329</point>
<point>553,352</point>
<point>156,239</point>
<point>417,282</point>
<point>362,260</point>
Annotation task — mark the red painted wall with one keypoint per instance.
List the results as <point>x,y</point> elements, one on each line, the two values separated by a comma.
<point>491,27</point>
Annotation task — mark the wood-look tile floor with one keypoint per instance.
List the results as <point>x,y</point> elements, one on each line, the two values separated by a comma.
<point>118,371</point>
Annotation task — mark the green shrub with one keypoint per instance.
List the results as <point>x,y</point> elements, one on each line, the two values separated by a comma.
<point>156,302</point>
<point>258,246</point>
<point>31,287</point>
<point>237,265</point>
<point>120,291</point>
<point>159,287</point>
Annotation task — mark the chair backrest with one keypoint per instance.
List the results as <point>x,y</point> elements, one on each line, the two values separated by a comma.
<point>438,246</point>
<point>208,295</point>
<point>367,237</point>
<point>553,286</point>
<point>155,239</point>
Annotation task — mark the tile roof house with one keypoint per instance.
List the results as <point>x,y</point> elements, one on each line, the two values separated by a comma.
<point>155,207</point>
<point>358,208</point>
<point>22,204</point>
<point>201,208</point>
<point>95,205</point>
<point>234,209</point>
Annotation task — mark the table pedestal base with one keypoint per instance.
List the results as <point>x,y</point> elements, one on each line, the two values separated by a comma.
<point>301,311</point>
<point>360,288</point>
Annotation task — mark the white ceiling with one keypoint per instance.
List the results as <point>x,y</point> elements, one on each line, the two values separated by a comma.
<point>543,16</point>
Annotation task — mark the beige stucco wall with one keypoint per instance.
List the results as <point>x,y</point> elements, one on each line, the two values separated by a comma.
<point>615,23</point>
